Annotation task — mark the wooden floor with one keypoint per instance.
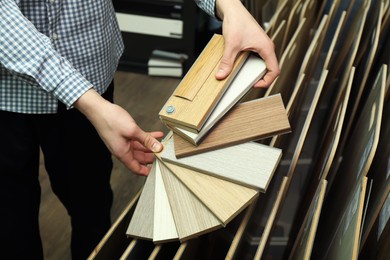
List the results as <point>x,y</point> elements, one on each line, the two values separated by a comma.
<point>142,96</point>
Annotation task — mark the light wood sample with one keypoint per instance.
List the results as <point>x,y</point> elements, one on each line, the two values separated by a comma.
<point>142,221</point>
<point>164,225</point>
<point>192,218</point>
<point>253,69</point>
<point>199,91</point>
<point>250,164</point>
<point>223,198</point>
<point>249,121</point>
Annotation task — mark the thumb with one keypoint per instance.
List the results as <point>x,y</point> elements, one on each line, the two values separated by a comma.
<point>226,64</point>
<point>149,141</point>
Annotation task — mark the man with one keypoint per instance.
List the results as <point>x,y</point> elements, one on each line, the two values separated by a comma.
<point>56,55</point>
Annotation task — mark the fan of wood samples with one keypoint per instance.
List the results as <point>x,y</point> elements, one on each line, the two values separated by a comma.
<point>211,167</point>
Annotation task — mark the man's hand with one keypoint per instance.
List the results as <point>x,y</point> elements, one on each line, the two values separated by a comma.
<point>242,33</point>
<point>123,137</point>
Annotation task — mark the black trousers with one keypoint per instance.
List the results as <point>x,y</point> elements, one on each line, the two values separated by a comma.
<point>79,167</point>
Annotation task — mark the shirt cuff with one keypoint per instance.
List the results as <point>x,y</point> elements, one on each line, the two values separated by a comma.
<point>71,89</point>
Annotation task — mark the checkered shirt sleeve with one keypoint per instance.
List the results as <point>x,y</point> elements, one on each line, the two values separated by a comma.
<point>207,5</point>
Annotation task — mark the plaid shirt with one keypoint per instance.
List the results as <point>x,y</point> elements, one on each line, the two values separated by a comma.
<point>54,50</point>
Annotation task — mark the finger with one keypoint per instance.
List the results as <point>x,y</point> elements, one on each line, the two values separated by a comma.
<point>157,134</point>
<point>148,141</point>
<point>272,65</point>
<point>143,158</point>
<point>227,62</point>
<point>140,147</point>
<point>135,166</point>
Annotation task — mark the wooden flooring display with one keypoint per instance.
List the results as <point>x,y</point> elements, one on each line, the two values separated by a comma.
<point>249,121</point>
<point>252,70</point>
<point>250,164</point>
<point>199,91</point>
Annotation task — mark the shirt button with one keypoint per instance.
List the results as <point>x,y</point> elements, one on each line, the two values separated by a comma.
<point>52,1</point>
<point>54,36</point>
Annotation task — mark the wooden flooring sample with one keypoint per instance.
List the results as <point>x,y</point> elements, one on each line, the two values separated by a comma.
<point>199,91</point>
<point>225,199</point>
<point>141,224</point>
<point>192,218</point>
<point>164,225</point>
<point>250,164</point>
<point>248,121</point>
<point>253,69</point>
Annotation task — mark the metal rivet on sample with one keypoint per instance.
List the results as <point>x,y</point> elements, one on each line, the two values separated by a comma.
<point>170,109</point>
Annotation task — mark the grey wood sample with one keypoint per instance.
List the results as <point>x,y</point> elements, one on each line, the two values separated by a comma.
<point>250,164</point>
<point>164,229</point>
<point>142,221</point>
<point>192,218</point>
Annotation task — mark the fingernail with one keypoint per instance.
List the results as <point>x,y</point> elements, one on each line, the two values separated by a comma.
<point>156,147</point>
<point>220,72</point>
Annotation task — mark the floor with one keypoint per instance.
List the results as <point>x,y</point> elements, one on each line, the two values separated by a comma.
<point>142,96</point>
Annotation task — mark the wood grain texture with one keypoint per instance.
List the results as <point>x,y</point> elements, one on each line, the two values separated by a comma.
<point>223,198</point>
<point>199,91</point>
<point>250,164</point>
<point>142,221</point>
<point>164,229</point>
<point>252,70</point>
<point>304,242</point>
<point>248,121</point>
<point>192,218</point>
